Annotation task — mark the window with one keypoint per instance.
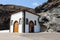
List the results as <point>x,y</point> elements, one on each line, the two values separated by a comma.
<point>20,21</point>
<point>11,22</point>
<point>26,20</point>
<point>35,22</point>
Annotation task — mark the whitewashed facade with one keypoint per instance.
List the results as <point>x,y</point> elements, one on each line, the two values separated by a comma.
<point>22,18</point>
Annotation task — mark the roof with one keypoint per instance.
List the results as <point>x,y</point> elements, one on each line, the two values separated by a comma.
<point>13,12</point>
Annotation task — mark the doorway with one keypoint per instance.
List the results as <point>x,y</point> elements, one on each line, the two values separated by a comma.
<point>15,29</point>
<point>31,27</point>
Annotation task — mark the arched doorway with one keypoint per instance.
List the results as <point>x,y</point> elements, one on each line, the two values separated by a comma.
<point>15,28</point>
<point>31,27</point>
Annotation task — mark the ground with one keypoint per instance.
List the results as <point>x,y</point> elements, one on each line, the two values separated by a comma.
<point>30,36</point>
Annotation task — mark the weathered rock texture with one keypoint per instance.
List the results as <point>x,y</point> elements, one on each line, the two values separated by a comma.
<point>51,11</point>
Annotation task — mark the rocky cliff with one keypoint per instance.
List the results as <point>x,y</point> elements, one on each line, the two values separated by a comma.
<point>47,6</point>
<point>51,11</point>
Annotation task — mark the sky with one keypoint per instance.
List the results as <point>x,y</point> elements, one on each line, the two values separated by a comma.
<point>26,3</point>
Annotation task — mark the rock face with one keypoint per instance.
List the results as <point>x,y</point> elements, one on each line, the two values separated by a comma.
<point>55,18</point>
<point>52,10</point>
<point>7,10</point>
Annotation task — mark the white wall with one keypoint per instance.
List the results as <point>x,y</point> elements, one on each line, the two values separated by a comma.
<point>16,17</point>
<point>32,17</point>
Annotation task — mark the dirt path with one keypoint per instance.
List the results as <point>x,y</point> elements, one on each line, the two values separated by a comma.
<point>30,36</point>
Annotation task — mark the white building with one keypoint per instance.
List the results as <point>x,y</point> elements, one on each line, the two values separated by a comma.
<point>24,22</point>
